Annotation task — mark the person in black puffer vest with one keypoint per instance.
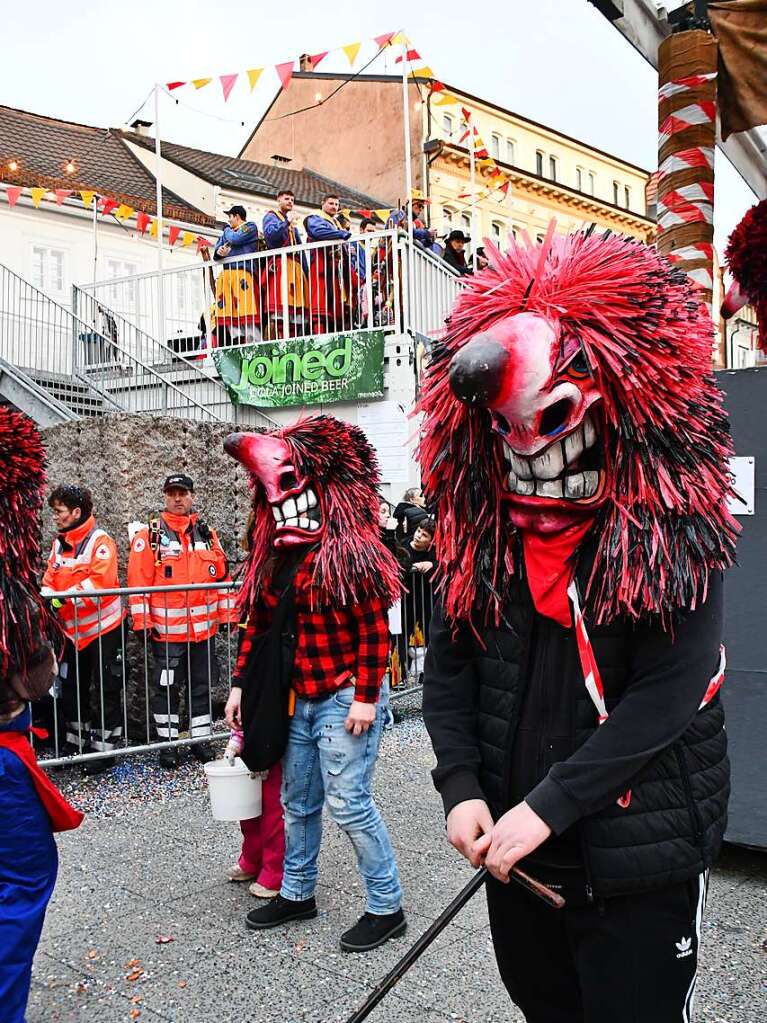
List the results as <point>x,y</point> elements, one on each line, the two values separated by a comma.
<point>575,454</point>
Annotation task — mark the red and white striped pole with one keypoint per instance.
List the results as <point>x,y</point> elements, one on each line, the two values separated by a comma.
<point>687,65</point>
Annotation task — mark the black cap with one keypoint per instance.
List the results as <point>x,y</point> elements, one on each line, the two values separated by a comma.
<point>178,479</point>
<point>458,236</point>
<point>239,210</point>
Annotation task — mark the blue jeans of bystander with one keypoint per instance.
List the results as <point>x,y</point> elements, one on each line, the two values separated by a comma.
<point>324,762</point>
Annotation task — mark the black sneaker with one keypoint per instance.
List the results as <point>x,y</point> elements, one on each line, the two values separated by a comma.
<point>203,752</point>
<point>280,911</point>
<point>168,758</point>
<point>92,767</point>
<point>372,930</point>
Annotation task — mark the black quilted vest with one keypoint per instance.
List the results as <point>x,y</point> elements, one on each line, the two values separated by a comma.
<point>673,826</point>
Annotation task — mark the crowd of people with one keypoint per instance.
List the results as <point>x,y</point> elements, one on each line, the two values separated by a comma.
<point>344,282</point>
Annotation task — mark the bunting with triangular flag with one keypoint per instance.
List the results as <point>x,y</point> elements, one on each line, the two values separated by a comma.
<point>173,233</point>
<point>317,57</point>
<point>187,238</point>
<point>285,72</point>
<point>200,83</point>
<point>124,212</point>
<point>351,50</point>
<point>253,76</point>
<point>106,205</point>
<point>153,229</point>
<point>142,221</point>
<point>37,195</point>
<point>62,194</point>
<point>87,197</point>
<point>13,192</point>
<point>384,40</point>
<point>227,84</point>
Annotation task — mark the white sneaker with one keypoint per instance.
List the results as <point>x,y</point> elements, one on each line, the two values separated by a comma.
<point>260,892</point>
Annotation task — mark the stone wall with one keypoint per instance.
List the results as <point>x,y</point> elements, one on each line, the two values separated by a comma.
<point>123,460</point>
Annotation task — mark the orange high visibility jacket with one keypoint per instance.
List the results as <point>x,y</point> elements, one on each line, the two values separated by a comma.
<point>85,558</point>
<point>173,550</point>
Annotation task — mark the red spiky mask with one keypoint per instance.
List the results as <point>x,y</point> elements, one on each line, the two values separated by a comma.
<point>314,483</point>
<point>24,619</point>
<point>574,381</point>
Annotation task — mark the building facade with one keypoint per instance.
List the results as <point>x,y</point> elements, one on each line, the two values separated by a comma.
<point>357,131</point>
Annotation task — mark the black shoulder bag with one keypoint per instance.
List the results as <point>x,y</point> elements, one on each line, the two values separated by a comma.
<point>266,686</point>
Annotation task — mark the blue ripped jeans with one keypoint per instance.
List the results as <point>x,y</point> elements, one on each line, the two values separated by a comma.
<point>323,762</point>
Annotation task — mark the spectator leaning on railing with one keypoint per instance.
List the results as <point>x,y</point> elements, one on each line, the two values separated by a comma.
<point>238,285</point>
<point>280,231</point>
<point>84,557</point>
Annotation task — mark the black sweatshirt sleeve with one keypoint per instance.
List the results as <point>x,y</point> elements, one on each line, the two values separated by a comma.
<point>668,677</point>
<point>450,699</point>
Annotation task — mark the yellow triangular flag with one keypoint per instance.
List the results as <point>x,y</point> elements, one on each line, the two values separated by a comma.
<point>153,229</point>
<point>422,72</point>
<point>199,83</point>
<point>399,39</point>
<point>487,162</point>
<point>446,99</point>
<point>87,197</point>
<point>37,195</point>
<point>187,238</point>
<point>124,212</point>
<point>382,214</point>
<point>253,76</point>
<point>351,51</point>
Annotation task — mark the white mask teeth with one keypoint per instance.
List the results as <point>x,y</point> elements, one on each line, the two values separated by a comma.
<point>311,498</point>
<point>591,478</point>
<point>589,431</point>
<point>550,464</point>
<point>302,502</point>
<point>277,514</point>
<point>573,446</point>
<point>526,487</point>
<point>548,488</point>
<point>289,509</point>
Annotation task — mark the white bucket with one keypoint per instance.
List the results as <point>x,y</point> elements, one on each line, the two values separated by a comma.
<point>234,795</point>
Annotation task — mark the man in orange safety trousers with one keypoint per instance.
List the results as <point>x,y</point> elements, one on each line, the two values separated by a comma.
<point>84,557</point>
<point>178,548</point>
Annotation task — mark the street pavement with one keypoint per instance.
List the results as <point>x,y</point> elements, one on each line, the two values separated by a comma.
<point>144,927</point>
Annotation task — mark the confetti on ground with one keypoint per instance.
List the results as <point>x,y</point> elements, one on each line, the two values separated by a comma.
<point>163,939</point>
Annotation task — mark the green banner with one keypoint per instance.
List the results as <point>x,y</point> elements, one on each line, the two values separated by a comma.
<point>304,371</point>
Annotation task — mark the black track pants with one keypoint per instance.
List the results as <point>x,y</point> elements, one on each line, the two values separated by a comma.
<point>629,959</point>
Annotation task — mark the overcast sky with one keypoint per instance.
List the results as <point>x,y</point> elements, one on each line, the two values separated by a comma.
<point>556,61</point>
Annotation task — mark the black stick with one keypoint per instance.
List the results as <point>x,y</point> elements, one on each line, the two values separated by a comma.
<point>428,936</point>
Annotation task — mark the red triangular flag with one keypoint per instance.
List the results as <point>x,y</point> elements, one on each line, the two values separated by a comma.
<point>142,221</point>
<point>466,114</point>
<point>411,55</point>
<point>317,57</point>
<point>504,188</point>
<point>285,72</point>
<point>437,86</point>
<point>384,40</point>
<point>202,243</point>
<point>173,233</point>
<point>61,194</point>
<point>174,85</point>
<point>106,205</point>
<point>13,192</point>
<point>227,84</point>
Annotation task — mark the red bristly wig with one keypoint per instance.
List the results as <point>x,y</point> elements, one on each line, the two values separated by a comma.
<point>746,256</point>
<point>666,525</point>
<point>24,618</point>
<point>352,562</point>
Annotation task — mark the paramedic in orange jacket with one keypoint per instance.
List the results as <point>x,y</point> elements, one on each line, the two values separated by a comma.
<point>84,557</point>
<point>177,547</point>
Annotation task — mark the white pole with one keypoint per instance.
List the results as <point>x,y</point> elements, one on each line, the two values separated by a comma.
<point>473,188</point>
<point>408,155</point>
<point>158,186</point>
<point>409,290</point>
<point>158,173</point>
<point>95,239</point>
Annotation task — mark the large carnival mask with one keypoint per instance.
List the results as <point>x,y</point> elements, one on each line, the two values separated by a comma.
<point>294,500</point>
<point>544,404</point>
<point>574,381</point>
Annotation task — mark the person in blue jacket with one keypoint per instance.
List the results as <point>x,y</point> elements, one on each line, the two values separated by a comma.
<point>281,231</point>
<point>330,306</point>
<point>238,285</point>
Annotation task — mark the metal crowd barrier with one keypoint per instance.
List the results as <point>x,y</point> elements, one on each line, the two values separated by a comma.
<point>114,697</point>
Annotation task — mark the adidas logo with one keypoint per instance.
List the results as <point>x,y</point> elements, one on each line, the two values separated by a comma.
<point>685,948</point>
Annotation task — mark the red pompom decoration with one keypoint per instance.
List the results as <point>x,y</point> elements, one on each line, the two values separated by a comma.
<point>746,254</point>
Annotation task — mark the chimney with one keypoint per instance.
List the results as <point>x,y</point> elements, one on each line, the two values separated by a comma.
<point>305,63</point>
<point>142,127</point>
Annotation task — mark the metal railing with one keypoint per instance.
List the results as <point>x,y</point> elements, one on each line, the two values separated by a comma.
<point>83,364</point>
<point>122,693</point>
<point>297,291</point>
<point>432,292</point>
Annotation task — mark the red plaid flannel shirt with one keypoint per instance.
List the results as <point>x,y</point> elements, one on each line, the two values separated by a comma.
<point>333,644</point>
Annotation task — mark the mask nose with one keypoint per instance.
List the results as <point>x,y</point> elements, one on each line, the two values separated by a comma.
<point>476,371</point>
